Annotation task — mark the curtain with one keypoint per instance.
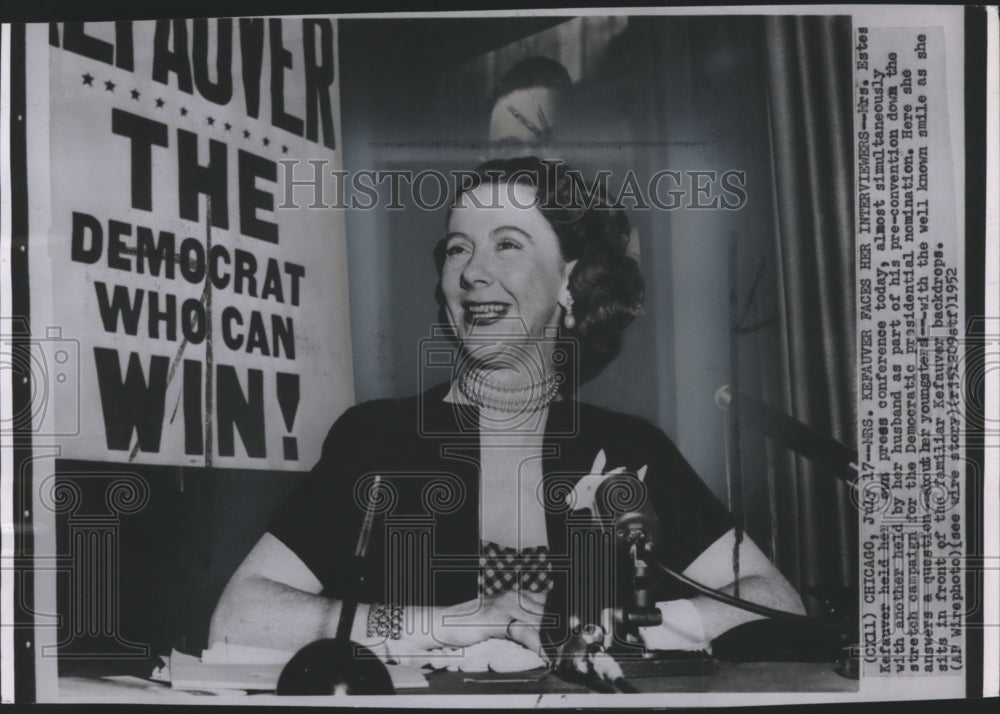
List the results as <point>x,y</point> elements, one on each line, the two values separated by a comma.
<point>808,370</point>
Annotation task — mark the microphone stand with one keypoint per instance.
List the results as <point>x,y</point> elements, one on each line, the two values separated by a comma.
<point>339,665</point>
<point>585,652</point>
<point>831,456</point>
<point>349,606</point>
<point>636,529</point>
<point>640,610</point>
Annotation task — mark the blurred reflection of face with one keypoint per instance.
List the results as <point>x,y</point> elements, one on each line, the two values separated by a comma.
<point>504,277</point>
<point>524,116</point>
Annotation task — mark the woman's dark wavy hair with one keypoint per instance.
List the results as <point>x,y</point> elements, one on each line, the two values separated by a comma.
<point>606,284</point>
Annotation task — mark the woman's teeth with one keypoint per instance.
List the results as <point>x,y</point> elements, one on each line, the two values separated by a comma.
<point>485,310</point>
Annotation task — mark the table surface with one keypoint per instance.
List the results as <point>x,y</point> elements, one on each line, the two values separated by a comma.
<point>743,677</point>
<point>731,677</point>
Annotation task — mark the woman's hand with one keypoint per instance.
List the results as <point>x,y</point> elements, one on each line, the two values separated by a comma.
<point>514,614</point>
<point>681,629</point>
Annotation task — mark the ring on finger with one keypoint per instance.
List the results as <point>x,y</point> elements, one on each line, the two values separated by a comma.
<point>512,621</point>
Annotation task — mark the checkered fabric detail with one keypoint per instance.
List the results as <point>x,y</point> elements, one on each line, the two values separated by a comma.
<point>503,568</point>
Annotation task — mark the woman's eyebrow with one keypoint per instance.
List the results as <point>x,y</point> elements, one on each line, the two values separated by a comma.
<point>500,229</point>
<point>454,234</point>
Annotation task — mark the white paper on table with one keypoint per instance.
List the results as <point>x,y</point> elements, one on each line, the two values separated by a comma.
<point>189,672</point>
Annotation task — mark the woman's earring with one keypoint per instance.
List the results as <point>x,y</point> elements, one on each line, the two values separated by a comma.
<point>568,320</point>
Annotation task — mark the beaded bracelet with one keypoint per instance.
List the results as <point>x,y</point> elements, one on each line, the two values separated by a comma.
<point>385,621</point>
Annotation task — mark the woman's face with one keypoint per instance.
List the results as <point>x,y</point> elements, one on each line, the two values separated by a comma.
<point>503,277</point>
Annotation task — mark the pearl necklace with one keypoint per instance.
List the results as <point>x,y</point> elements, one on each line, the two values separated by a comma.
<point>484,392</point>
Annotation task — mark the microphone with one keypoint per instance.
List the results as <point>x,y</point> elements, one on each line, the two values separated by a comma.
<point>338,665</point>
<point>620,501</point>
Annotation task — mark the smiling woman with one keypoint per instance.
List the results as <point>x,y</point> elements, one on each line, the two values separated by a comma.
<point>556,244</point>
<point>479,533</point>
<point>503,277</point>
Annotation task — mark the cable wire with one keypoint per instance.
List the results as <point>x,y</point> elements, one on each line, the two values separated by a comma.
<point>746,604</point>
